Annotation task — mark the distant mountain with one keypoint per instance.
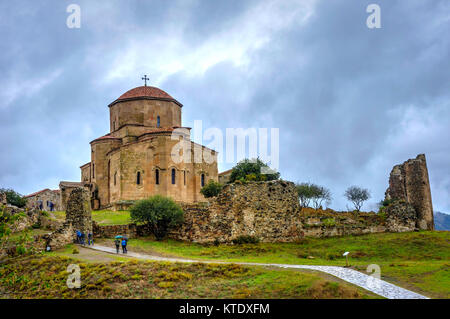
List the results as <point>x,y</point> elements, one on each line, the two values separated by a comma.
<point>441,221</point>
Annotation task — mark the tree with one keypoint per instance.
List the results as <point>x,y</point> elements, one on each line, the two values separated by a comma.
<point>319,195</point>
<point>357,196</point>
<point>305,194</point>
<point>308,192</point>
<point>159,213</point>
<point>211,189</point>
<point>253,169</point>
<point>14,198</point>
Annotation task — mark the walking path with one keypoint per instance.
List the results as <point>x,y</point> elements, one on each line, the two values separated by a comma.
<point>378,286</point>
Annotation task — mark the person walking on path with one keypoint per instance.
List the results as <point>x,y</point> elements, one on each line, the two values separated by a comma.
<point>124,245</point>
<point>117,242</point>
<point>82,239</point>
<point>78,236</point>
<point>90,239</point>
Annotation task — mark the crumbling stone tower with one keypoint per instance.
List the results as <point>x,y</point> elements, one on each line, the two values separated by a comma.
<point>78,211</point>
<point>409,182</point>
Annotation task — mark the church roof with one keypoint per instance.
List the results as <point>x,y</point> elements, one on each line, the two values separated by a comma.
<point>145,92</point>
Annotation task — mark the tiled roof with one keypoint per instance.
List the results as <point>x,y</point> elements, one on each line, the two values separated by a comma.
<point>37,193</point>
<point>145,92</point>
<point>105,137</point>
<point>225,172</point>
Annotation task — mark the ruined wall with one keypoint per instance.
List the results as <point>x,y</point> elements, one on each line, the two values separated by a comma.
<point>409,182</point>
<point>78,211</point>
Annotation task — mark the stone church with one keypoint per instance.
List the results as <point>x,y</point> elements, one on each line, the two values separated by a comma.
<point>135,159</point>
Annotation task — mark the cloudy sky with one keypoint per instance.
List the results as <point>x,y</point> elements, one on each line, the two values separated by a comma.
<point>350,102</point>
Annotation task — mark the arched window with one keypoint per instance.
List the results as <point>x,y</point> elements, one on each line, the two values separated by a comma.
<point>173,175</point>
<point>158,121</point>
<point>203,180</point>
<point>157,176</point>
<point>138,178</point>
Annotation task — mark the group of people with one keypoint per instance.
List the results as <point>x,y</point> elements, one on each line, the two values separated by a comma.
<point>81,238</point>
<point>40,205</point>
<point>121,240</point>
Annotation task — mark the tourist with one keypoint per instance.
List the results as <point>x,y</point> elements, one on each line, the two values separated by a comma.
<point>117,242</point>
<point>51,205</point>
<point>90,239</point>
<point>82,238</point>
<point>124,245</point>
<point>78,236</point>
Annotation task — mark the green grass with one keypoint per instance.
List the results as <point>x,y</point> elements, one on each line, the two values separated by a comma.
<point>416,260</point>
<point>45,277</point>
<point>104,217</point>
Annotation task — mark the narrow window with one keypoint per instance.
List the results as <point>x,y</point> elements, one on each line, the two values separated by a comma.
<point>158,121</point>
<point>203,180</point>
<point>115,178</point>
<point>184,177</point>
<point>114,125</point>
<point>157,177</point>
<point>93,170</point>
<point>173,175</point>
<point>138,178</point>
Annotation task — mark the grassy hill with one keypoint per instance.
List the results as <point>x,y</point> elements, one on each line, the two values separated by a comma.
<point>419,261</point>
<point>45,277</point>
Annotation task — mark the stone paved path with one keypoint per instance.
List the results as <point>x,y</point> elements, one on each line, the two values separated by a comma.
<point>378,286</point>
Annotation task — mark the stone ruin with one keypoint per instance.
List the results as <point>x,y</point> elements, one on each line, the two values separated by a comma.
<point>409,183</point>
<point>3,199</point>
<point>78,217</point>
<point>78,211</point>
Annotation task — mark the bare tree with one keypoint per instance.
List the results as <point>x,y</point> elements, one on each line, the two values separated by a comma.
<point>357,196</point>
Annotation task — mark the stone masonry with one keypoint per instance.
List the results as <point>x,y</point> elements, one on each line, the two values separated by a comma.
<point>409,182</point>
<point>78,211</point>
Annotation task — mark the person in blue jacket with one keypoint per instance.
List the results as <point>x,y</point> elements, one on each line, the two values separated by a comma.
<point>124,245</point>
<point>78,236</point>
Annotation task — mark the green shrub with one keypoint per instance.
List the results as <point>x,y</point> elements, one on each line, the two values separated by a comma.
<point>211,189</point>
<point>14,198</point>
<point>329,222</point>
<point>245,240</point>
<point>159,213</point>
<point>253,170</point>
<point>45,213</point>
<point>75,251</point>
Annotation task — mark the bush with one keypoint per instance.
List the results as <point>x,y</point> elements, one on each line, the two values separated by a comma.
<point>159,213</point>
<point>75,251</point>
<point>245,240</point>
<point>14,198</point>
<point>253,170</point>
<point>211,189</point>
<point>329,222</point>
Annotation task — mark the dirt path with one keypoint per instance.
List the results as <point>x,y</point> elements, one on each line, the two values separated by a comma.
<point>377,286</point>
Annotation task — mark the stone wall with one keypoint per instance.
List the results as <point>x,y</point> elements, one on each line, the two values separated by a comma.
<point>409,182</point>
<point>78,211</point>
<point>111,231</point>
<point>270,211</point>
